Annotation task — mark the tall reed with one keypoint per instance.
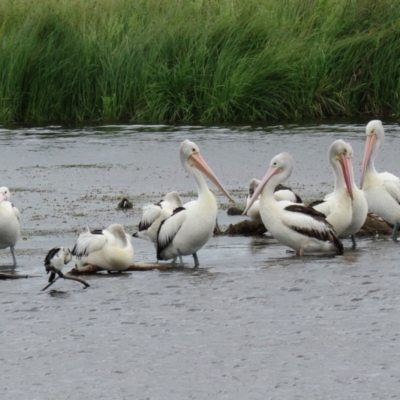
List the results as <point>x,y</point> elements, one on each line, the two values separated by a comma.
<point>198,60</point>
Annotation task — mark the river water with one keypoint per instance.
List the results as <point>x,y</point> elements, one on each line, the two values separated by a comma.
<point>254,322</point>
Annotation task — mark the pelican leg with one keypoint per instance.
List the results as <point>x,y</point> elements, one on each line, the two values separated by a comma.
<point>300,252</point>
<point>394,233</point>
<point>353,239</point>
<point>180,258</point>
<point>13,256</point>
<point>196,260</point>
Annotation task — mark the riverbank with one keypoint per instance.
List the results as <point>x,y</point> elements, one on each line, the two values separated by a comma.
<point>207,61</point>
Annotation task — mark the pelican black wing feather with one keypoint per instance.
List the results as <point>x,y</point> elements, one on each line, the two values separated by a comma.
<point>85,252</point>
<point>316,203</point>
<point>309,211</point>
<point>161,248</point>
<point>326,235</point>
<point>283,187</point>
<point>144,225</point>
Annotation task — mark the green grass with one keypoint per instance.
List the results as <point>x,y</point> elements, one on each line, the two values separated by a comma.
<point>198,61</point>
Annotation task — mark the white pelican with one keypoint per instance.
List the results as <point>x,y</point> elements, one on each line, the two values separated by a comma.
<point>9,222</point>
<point>281,193</point>
<point>382,190</point>
<point>154,214</point>
<point>110,249</point>
<point>190,227</point>
<point>337,206</point>
<point>57,258</point>
<point>300,227</point>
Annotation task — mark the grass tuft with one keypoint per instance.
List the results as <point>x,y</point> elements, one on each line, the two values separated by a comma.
<point>198,60</point>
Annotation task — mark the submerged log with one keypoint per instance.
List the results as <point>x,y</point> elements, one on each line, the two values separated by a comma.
<point>373,225</point>
<point>139,266</point>
<point>64,276</point>
<point>245,228</point>
<point>4,275</point>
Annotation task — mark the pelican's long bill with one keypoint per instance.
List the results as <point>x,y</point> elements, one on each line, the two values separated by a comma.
<point>270,173</point>
<point>347,168</point>
<point>199,162</point>
<point>369,145</point>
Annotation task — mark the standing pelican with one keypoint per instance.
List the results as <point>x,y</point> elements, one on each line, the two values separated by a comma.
<point>300,227</point>
<point>281,193</point>
<point>9,222</point>
<point>337,207</point>
<point>110,249</point>
<point>382,190</point>
<point>190,227</point>
<point>154,214</point>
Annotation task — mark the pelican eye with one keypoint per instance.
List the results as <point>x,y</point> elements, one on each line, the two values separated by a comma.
<point>193,150</point>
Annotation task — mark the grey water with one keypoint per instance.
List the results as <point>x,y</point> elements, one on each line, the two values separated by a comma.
<point>254,322</point>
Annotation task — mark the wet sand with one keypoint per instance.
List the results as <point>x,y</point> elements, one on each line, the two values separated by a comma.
<point>253,322</point>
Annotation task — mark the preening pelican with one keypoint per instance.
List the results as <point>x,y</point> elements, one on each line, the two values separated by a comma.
<point>382,190</point>
<point>346,208</point>
<point>110,249</point>
<point>281,193</point>
<point>190,227</point>
<point>57,258</point>
<point>9,222</point>
<point>154,214</point>
<point>300,227</point>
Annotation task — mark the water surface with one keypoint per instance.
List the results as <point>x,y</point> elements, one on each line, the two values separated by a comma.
<point>253,322</point>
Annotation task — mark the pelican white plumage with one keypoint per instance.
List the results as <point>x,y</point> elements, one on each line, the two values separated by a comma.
<point>281,193</point>
<point>9,222</point>
<point>190,227</point>
<point>337,207</point>
<point>298,226</point>
<point>382,190</point>
<point>154,214</point>
<point>110,249</point>
<point>56,258</point>
<point>347,202</point>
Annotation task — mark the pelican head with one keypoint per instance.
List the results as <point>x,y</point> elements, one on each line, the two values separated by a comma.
<point>375,138</point>
<point>67,256</point>
<point>118,232</point>
<point>253,186</point>
<point>280,166</point>
<point>191,158</point>
<point>5,194</point>
<point>342,153</point>
<point>174,198</point>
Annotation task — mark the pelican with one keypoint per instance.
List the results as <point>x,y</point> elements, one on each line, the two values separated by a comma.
<point>154,214</point>
<point>337,206</point>
<point>382,190</point>
<point>56,258</point>
<point>190,227</point>
<point>110,249</point>
<point>300,227</point>
<point>281,193</point>
<point>9,222</point>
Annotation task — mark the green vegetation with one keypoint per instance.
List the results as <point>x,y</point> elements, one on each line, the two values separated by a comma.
<point>198,60</point>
